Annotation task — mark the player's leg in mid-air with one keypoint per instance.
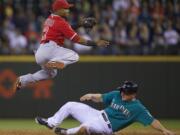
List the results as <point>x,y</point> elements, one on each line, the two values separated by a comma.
<point>50,57</point>
<point>91,119</point>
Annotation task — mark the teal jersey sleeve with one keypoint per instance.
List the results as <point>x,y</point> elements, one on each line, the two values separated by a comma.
<point>107,97</point>
<point>145,117</point>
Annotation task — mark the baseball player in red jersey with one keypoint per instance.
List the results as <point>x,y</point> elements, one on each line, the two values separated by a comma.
<point>51,55</point>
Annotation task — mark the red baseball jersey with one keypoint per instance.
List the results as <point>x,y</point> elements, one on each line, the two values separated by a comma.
<point>57,29</point>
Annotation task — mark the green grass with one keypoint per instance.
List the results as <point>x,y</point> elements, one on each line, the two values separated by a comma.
<point>18,124</point>
<point>170,124</point>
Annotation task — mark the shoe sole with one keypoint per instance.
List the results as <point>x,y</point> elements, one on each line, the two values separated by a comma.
<point>55,65</point>
<point>16,85</point>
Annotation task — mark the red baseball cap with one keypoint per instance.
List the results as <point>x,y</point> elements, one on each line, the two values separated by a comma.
<point>60,4</point>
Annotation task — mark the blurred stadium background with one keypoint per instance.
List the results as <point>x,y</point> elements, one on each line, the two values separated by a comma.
<point>144,36</point>
<point>141,27</point>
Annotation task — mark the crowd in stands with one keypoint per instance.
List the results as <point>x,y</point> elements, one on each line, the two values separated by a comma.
<point>133,27</point>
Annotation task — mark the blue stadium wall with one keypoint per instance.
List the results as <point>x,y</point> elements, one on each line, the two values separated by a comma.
<point>158,78</point>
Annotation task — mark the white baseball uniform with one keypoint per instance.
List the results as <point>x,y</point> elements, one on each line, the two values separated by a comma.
<point>89,117</point>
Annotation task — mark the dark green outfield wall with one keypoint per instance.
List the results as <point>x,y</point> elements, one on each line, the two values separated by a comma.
<point>159,86</point>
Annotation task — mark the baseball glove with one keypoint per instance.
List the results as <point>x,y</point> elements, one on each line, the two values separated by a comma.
<point>89,22</point>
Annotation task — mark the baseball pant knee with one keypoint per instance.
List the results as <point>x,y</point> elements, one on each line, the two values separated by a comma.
<point>71,58</point>
<point>70,105</point>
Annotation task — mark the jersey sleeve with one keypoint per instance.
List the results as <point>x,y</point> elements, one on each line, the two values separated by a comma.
<point>107,97</point>
<point>145,117</point>
<point>68,32</point>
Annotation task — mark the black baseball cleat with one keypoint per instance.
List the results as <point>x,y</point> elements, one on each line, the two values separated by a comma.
<point>60,131</point>
<point>43,122</point>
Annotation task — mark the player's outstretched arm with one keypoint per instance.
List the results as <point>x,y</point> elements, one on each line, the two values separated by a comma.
<point>92,97</point>
<point>158,126</point>
<point>102,43</point>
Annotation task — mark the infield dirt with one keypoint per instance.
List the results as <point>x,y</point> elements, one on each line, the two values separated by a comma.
<point>47,132</point>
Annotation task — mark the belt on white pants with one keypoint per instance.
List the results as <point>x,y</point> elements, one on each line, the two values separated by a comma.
<point>50,41</point>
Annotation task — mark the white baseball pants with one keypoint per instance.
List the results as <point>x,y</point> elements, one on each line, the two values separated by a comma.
<point>46,53</point>
<point>89,118</point>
